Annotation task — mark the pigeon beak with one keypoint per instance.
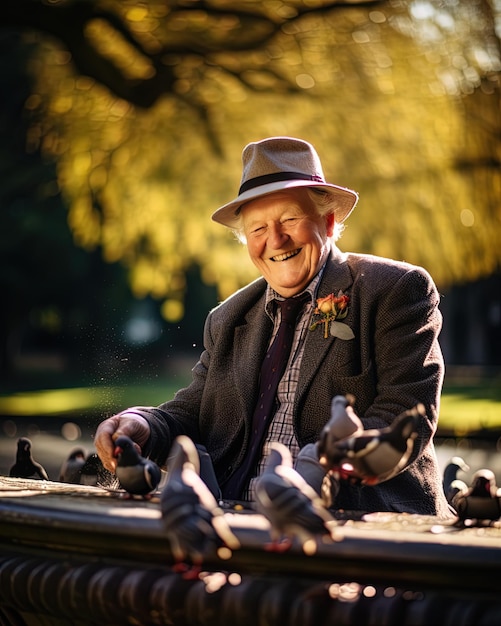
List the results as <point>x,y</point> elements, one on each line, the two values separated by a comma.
<point>117,451</point>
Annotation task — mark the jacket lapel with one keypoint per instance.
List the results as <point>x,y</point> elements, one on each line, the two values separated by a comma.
<point>251,340</point>
<point>337,276</point>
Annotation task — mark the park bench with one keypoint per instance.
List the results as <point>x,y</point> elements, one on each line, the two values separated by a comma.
<point>77,555</point>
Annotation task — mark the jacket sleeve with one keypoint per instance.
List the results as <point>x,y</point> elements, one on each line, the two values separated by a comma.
<point>407,358</point>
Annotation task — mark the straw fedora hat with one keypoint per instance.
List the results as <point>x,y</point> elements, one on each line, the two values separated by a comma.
<point>282,163</point>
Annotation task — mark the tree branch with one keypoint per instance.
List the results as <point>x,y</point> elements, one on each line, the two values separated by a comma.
<point>67,23</point>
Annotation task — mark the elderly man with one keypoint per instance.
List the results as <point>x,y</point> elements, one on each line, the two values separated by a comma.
<point>244,393</point>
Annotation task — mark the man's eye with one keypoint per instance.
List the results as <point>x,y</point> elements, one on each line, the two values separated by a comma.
<point>258,230</point>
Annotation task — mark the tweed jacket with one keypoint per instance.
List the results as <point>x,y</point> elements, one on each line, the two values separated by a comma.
<point>393,362</point>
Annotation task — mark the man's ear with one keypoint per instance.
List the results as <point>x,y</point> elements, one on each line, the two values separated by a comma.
<point>330,220</point>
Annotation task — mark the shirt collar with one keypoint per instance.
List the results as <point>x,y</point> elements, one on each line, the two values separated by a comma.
<point>272,295</point>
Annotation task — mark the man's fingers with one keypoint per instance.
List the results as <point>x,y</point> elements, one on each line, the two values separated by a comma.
<point>133,426</point>
<point>103,441</point>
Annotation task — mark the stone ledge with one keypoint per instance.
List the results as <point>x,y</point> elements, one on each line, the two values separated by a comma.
<point>83,555</point>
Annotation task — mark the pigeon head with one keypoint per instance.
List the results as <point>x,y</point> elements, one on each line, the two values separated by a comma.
<point>459,463</point>
<point>278,454</point>
<point>78,453</point>
<point>92,464</point>
<point>183,451</point>
<point>125,451</point>
<point>24,446</point>
<point>483,483</point>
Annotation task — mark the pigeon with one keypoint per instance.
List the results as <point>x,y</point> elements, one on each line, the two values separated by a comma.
<point>193,521</point>
<point>71,469</point>
<point>93,473</point>
<point>481,500</point>
<point>89,471</point>
<point>343,423</point>
<point>450,477</point>
<point>291,506</point>
<point>137,475</point>
<point>25,466</point>
<point>373,456</point>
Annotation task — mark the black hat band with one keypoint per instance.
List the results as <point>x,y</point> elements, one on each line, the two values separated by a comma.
<point>266,179</point>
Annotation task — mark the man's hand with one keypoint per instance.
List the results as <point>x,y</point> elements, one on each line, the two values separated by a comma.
<point>129,424</point>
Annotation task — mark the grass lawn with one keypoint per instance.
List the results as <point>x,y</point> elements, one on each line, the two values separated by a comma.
<point>96,399</point>
<point>471,408</point>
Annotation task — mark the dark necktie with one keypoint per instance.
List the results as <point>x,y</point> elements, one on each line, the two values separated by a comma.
<point>272,370</point>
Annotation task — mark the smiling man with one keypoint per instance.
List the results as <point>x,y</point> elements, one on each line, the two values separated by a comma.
<point>287,240</point>
<point>273,359</point>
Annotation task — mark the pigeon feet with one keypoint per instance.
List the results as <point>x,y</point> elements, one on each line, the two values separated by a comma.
<point>279,545</point>
<point>188,572</point>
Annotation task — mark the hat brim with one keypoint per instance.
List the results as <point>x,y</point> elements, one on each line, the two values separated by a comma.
<point>228,214</point>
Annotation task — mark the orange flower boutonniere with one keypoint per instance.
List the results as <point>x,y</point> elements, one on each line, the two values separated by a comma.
<point>331,309</point>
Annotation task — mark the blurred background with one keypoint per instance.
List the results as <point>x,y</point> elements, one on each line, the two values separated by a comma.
<point>122,127</point>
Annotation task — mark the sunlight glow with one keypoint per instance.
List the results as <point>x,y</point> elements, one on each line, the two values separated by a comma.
<point>51,401</point>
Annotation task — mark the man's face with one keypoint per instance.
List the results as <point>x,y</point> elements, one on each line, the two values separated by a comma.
<point>286,239</point>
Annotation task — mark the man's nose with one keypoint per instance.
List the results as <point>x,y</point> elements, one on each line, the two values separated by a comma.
<point>277,235</point>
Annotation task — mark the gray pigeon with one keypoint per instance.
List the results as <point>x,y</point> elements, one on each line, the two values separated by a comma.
<point>25,465</point>
<point>343,423</point>
<point>481,500</point>
<point>137,475</point>
<point>375,455</point>
<point>93,473</point>
<point>193,521</point>
<point>71,469</point>
<point>291,506</point>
